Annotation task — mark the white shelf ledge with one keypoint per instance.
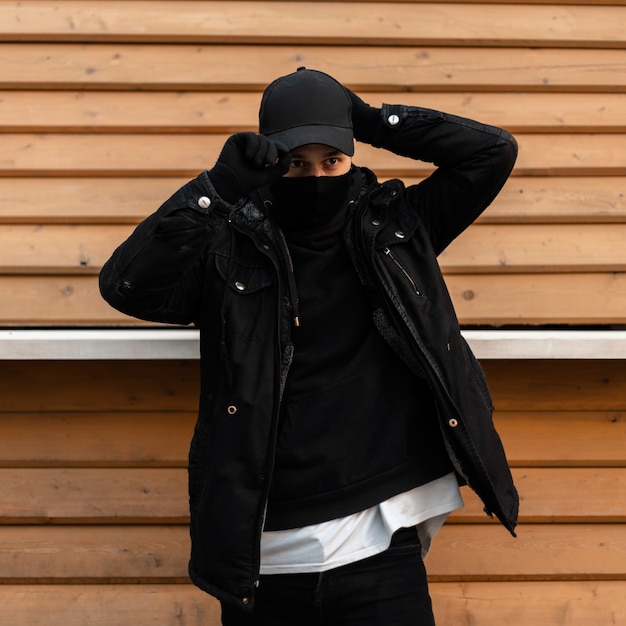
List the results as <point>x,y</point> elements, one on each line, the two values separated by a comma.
<point>547,344</point>
<point>166,343</point>
<point>108,344</point>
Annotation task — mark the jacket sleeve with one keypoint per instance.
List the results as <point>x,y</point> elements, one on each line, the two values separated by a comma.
<point>473,162</point>
<point>157,273</point>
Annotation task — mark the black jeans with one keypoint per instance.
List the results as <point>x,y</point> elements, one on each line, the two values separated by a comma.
<point>388,589</point>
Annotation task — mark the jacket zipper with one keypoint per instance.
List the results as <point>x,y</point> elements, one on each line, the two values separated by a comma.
<point>399,265</point>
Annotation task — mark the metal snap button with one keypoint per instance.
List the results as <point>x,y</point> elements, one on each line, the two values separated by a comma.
<point>399,234</point>
<point>393,120</point>
<point>232,409</point>
<point>204,202</point>
<point>375,222</point>
<point>453,423</point>
<point>240,286</point>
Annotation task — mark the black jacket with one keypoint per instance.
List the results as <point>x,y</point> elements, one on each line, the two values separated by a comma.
<point>225,268</point>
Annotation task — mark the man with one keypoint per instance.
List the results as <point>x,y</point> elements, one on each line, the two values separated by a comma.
<point>340,408</point>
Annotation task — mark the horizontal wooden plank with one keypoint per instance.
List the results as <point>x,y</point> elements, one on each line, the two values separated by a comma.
<point>159,496</point>
<point>546,496</point>
<point>128,200</point>
<point>80,439</point>
<point>93,496</point>
<point>61,249</point>
<point>58,249</point>
<point>169,155</point>
<point>109,605</point>
<point>56,300</point>
<point>593,603</point>
<point>94,554</point>
<point>579,385</point>
<point>75,439</point>
<point>535,438</point>
<point>522,248</point>
<point>118,554</point>
<point>137,155</point>
<point>83,200</point>
<point>577,298</point>
<point>313,23</point>
<point>539,552</point>
<point>251,68</point>
<point>126,386</point>
<point>231,111</point>
<point>479,299</point>
<point>97,386</point>
<point>562,438</point>
<point>559,199</point>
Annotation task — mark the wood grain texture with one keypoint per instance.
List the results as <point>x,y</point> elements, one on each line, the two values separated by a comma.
<point>591,603</point>
<point>230,111</point>
<point>490,299</point>
<point>154,553</point>
<point>250,68</point>
<point>72,438</point>
<point>135,438</point>
<point>108,106</point>
<point>23,154</point>
<point>159,496</point>
<point>482,249</point>
<point>376,23</point>
<point>103,200</point>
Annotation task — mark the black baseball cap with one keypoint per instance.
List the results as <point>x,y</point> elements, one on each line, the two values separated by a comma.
<point>307,106</point>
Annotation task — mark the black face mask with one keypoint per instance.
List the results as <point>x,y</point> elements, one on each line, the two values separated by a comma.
<point>306,202</point>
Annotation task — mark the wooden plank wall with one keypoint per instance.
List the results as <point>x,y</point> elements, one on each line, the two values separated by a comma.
<point>93,507</point>
<point>106,107</point>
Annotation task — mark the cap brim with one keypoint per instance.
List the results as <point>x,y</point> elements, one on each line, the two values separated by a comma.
<point>334,136</point>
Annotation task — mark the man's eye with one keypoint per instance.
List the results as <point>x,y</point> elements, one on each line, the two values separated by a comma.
<point>296,163</point>
<point>333,161</point>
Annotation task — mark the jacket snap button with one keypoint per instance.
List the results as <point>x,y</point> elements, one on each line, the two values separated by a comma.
<point>375,223</point>
<point>232,409</point>
<point>393,120</point>
<point>245,600</point>
<point>399,234</point>
<point>453,423</point>
<point>240,286</point>
<point>204,202</point>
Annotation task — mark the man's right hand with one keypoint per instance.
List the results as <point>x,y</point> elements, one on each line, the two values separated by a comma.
<point>248,161</point>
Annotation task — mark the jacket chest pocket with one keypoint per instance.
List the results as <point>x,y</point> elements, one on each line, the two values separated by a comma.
<point>242,277</point>
<point>247,306</point>
<point>407,279</point>
<point>404,272</point>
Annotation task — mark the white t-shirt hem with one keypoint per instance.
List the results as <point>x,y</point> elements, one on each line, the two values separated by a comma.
<point>325,546</point>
